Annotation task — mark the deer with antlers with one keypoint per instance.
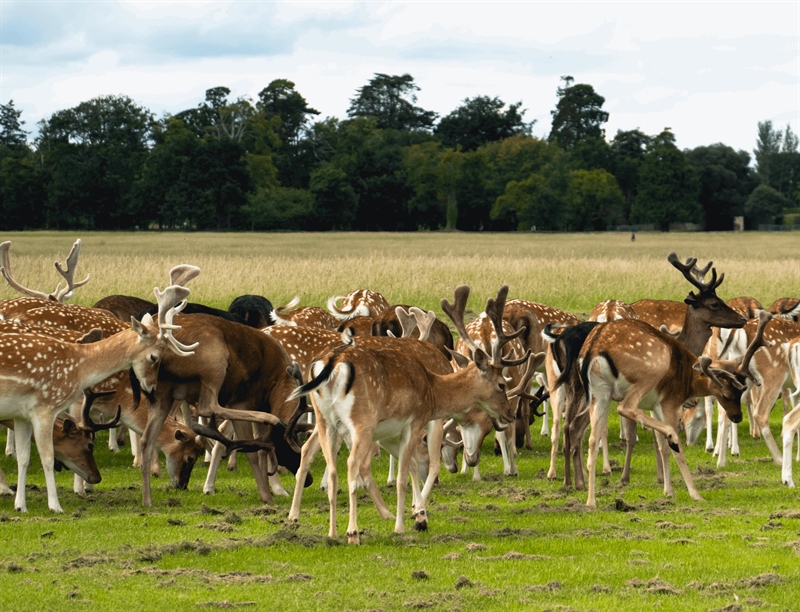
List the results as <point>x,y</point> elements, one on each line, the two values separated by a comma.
<point>359,303</point>
<point>41,377</point>
<point>630,362</point>
<point>363,394</point>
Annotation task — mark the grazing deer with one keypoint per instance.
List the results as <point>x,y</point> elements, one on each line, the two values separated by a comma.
<point>41,377</point>
<point>630,362</point>
<point>360,303</point>
<point>307,316</point>
<point>364,394</point>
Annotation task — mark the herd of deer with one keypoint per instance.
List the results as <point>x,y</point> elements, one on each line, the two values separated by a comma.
<point>217,381</point>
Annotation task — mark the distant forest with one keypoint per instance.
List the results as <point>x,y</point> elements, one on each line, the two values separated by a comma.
<point>273,164</point>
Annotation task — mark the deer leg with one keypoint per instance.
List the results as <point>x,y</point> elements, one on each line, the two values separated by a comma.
<point>156,416</point>
<point>360,452</point>
<point>660,476</point>
<point>559,412</point>
<point>10,443</point>
<point>709,415</point>
<point>791,424</point>
<point>329,442</point>
<point>307,454</point>
<point>662,450</point>
<point>406,451</point>
<point>630,442</point>
<point>136,450</point>
<point>598,413</point>
<point>435,435</point>
<point>4,488</point>
<point>43,434</point>
<point>113,445</point>
<point>506,440</point>
<point>368,480</point>
<point>762,406</point>
<point>210,485</point>
<point>390,480</point>
<point>244,431</point>
<point>22,439</point>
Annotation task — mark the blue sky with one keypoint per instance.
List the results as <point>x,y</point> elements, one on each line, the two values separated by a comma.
<point>708,70</point>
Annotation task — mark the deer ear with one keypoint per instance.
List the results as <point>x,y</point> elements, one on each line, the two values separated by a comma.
<point>691,299</point>
<point>93,336</point>
<point>69,426</point>
<point>481,359</point>
<point>181,436</point>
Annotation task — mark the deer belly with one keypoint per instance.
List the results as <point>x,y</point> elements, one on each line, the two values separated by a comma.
<point>392,431</point>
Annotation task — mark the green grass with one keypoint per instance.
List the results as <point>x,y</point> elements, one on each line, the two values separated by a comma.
<point>497,544</point>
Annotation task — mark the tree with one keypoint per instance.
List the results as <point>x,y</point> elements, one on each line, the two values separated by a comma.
<point>335,201</point>
<point>390,100</point>
<point>578,114</point>
<point>11,133</point>
<point>91,156</point>
<point>725,183</point>
<point>280,103</point>
<point>594,200</point>
<point>480,120</point>
<point>628,150</point>
<point>668,186</point>
<point>768,145</point>
<point>763,205</point>
<point>436,174</point>
<point>532,202</point>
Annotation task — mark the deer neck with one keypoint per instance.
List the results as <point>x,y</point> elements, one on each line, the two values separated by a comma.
<point>456,392</point>
<point>695,333</point>
<point>99,360</point>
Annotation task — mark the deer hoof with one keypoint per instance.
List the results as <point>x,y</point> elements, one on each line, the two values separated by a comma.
<point>352,538</point>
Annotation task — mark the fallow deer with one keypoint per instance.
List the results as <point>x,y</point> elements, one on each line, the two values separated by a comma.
<point>67,272</point>
<point>364,394</point>
<point>42,377</point>
<point>786,308</point>
<point>360,303</point>
<point>791,421</point>
<point>307,316</point>
<point>630,362</point>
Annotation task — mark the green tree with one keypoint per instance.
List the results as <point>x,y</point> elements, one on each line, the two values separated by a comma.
<point>763,205</point>
<point>294,156</point>
<point>480,120</point>
<point>11,133</point>
<point>436,174</point>
<point>768,146</point>
<point>594,200</point>
<point>579,114</point>
<point>628,150</point>
<point>668,186</point>
<point>725,183</point>
<point>335,201</point>
<point>91,155</point>
<point>279,208</point>
<point>391,101</point>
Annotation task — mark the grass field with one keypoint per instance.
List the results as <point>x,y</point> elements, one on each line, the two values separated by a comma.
<point>521,542</point>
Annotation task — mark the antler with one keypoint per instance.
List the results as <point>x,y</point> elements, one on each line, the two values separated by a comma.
<point>408,321</point>
<point>695,275</point>
<point>5,270</point>
<point>68,273</point>
<point>494,310</point>
<point>532,364</point>
<point>455,312</point>
<point>425,321</point>
<point>87,424</point>
<point>182,274</point>
<point>302,408</point>
<point>168,304</point>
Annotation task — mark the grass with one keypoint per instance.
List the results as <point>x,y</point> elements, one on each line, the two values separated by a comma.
<point>492,545</point>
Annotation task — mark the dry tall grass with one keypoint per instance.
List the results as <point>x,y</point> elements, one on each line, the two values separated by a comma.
<point>572,271</point>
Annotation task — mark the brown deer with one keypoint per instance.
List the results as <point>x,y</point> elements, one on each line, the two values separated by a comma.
<point>630,362</point>
<point>363,394</point>
<point>359,303</point>
<point>41,377</point>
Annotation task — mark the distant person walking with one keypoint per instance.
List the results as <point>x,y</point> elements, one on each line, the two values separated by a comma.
<point>633,236</point>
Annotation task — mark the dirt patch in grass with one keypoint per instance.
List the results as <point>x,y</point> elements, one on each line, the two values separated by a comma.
<point>514,556</point>
<point>550,587</point>
<point>225,604</point>
<point>654,586</point>
<point>761,580</point>
<point>791,514</point>
<point>204,576</point>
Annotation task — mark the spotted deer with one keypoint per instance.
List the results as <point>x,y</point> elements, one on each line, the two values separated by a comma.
<point>360,303</point>
<point>363,394</point>
<point>630,362</point>
<point>41,377</point>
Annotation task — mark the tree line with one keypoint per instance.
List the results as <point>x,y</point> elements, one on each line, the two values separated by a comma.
<point>273,164</point>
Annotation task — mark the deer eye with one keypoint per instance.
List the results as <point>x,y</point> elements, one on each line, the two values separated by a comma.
<point>714,306</point>
<point>154,358</point>
<point>502,387</point>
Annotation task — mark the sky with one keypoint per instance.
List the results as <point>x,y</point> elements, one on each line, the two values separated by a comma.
<point>710,71</point>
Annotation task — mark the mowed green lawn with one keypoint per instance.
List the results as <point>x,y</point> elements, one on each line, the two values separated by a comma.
<point>521,542</point>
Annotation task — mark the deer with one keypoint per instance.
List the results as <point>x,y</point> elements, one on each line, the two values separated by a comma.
<point>630,362</point>
<point>359,303</point>
<point>786,308</point>
<point>307,316</point>
<point>304,343</point>
<point>701,311</point>
<point>488,330</point>
<point>41,377</point>
<point>237,373</point>
<point>363,394</point>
